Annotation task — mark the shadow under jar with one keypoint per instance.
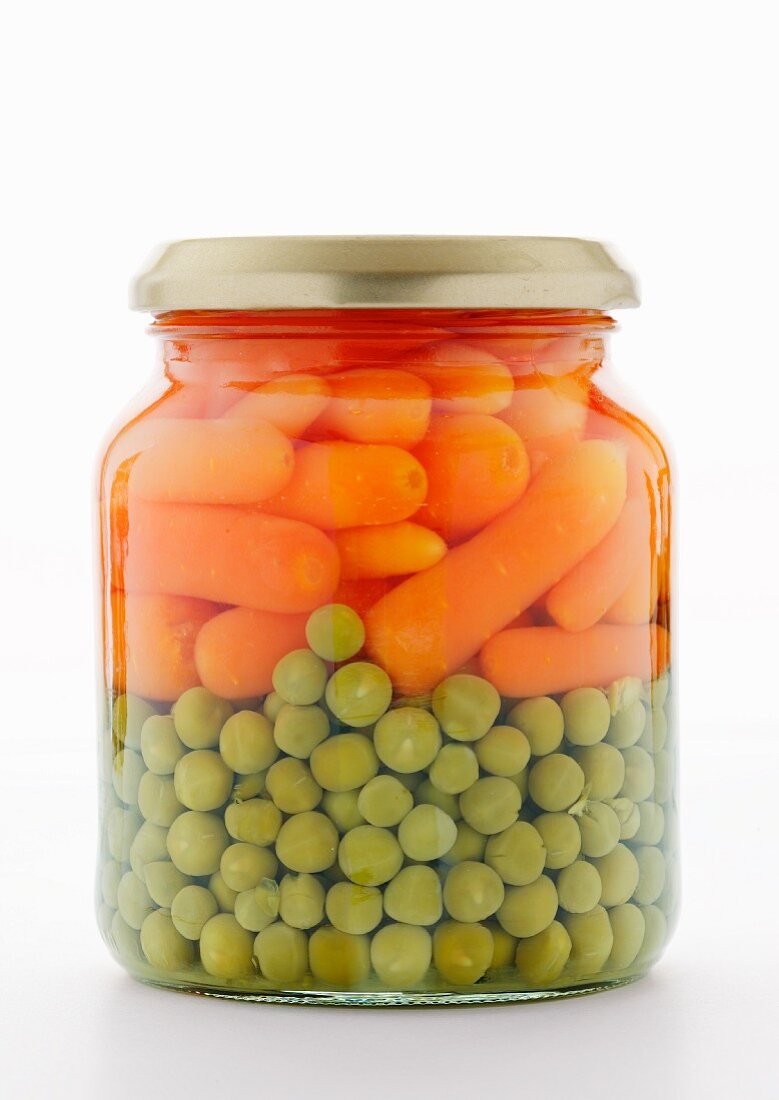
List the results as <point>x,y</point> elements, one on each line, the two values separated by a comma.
<point>387,700</point>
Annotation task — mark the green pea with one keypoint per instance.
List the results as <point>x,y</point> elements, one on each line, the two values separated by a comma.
<point>225,897</point>
<point>579,887</point>
<point>128,715</point>
<point>414,896</point>
<point>157,799</point>
<point>164,881</point>
<point>541,959</point>
<point>604,770</point>
<point>465,706</point>
<point>110,877</point>
<point>468,845</point>
<point>202,780</point>
<point>628,927</point>
<point>491,804</point>
<point>428,795</point>
<point>335,632</point>
<point>163,945</point>
<point>619,873</point>
<point>226,949</point>
<point>272,706</point>
<point>556,782</point>
<point>655,732</point>
<point>307,842</point>
<point>622,694</point>
<point>600,829</point>
<point>472,892</point>
<point>639,774</point>
<point>343,809</point>
<point>517,854</point>
<point>281,953</point>
<point>256,821</point>
<point>125,940</point>
<point>292,786</point>
<point>462,953</point>
<point>407,739</point>
<point>196,841</point>
<point>591,941</point>
<point>133,900</point>
<point>126,774</point>
<point>561,837</point>
<point>664,777</point>
<point>301,901</point>
<point>658,692</point>
<point>298,730</point>
<point>358,694</point>
<point>401,955</point>
<point>369,856</point>
<point>344,762</point>
<point>149,843</point>
<point>198,716</point>
<point>256,909</point>
<point>384,801</point>
<point>541,721</point>
<point>454,769</point>
<point>191,909</point>
<point>651,874</point>
<point>121,827</point>
<point>504,750</point>
<point>244,866</point>
<point>338,959</point>
<point>426,833</point>
<point>300,677</point>
<point>354,909</point>
<point>628,816</point>
<point>249,786</point>
<point>246,742</point>
<point>504,947</point>
<point>652,823</point>
<point>160,745</point>
<point>528,910</point>
<point>655,933</point>
<point>587,715</point>
<point>627,725</point>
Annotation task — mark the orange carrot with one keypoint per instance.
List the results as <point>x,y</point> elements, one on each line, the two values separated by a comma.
<point>549,414</point>
<point>362,595</point>
<point>432,623</point>
<point>464,379</point>
<point>236,652</point>
<point>476,468</point>
<point>585,594</point>
<point>291,403</point>
<point>638,600</point>
<point>350,484</point>
<point>388,550</point>
<point>545,660</point>
<point>213,462</point>
<point>230,555</point>
<point>376,406</point>
<point>160,634</point>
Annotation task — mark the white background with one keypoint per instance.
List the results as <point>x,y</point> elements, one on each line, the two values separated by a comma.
<point>651,125</point>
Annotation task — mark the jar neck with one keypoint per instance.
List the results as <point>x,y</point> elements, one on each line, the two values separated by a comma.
<point>216,348</point>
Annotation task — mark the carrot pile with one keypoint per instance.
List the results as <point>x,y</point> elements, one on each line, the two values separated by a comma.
<point>480,504</point>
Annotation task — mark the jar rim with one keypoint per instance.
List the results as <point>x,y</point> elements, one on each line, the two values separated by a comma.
<point>383,272</point>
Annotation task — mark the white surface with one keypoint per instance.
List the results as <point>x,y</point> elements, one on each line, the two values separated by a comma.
<point>650,125</point>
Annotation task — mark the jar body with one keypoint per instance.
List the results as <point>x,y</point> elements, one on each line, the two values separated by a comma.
<point>388,703</point>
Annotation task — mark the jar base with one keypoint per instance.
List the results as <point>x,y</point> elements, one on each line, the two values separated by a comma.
<point>366,999</point>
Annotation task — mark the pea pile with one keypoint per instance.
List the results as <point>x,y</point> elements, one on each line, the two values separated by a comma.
<point>334,837</point>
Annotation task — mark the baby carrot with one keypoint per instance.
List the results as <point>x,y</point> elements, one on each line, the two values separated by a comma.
<point>236,652</point>
<point>549,414</point>
<point>463,379</point>
<point>388,550</point>
<point>376,406</point>
<point>290,403</point>
<point>159,638</point>
<point>432,623</point>
<point>230,555</point>
<point>584,595</point>
<point>545,660</point>
<point>350,484</point>
<point>362,595</point>
<point>476,468</point>
<point>213,462</point>
<point>638,600</point>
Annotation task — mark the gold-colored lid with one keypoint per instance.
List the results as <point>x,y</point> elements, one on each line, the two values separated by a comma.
<point>262,273</point>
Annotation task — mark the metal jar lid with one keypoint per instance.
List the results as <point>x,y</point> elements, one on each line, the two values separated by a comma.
<point>277,273</point>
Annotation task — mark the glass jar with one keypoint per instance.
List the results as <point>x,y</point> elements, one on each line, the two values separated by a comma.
<point>388,709</point>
